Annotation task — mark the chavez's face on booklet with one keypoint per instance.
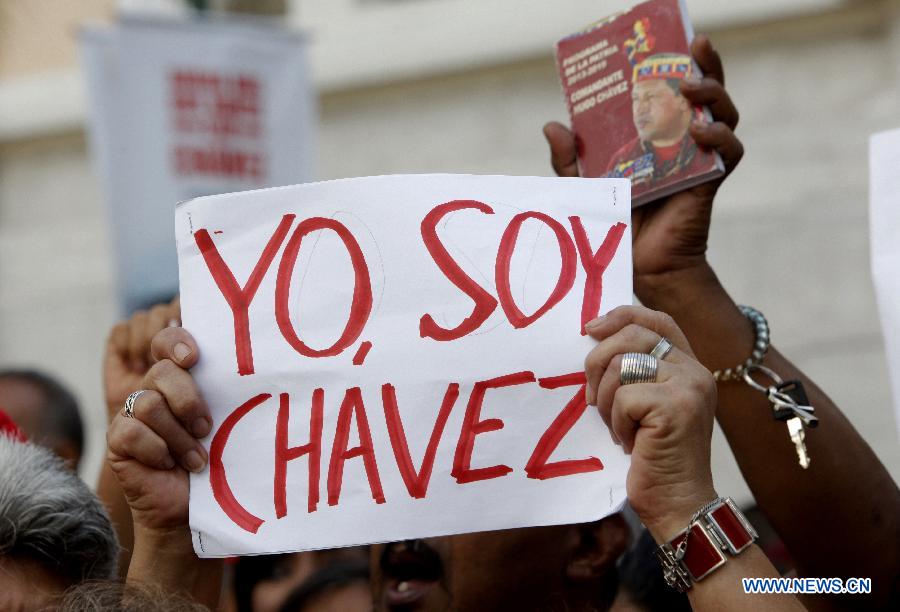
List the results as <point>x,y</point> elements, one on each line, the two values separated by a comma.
<point>661,115</point>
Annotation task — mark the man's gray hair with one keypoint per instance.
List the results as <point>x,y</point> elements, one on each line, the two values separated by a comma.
<point>48,515</point>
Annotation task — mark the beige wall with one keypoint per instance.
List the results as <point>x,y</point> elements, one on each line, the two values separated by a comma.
<point>790,228</point>
<point>39,35</point>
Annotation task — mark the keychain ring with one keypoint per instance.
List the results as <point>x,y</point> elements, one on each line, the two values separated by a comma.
<point>748,377</point>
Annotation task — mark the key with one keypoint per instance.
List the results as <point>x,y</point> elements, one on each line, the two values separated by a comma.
<point>795,416</point>
<point>798,437</point>
<point>789,404</point>
<point>784,408</point>
<point>794,390</point>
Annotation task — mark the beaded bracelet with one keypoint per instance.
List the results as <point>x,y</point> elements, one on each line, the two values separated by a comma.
<point>760,346</point>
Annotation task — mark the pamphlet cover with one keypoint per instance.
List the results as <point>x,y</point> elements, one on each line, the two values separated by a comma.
<point>621,80</point>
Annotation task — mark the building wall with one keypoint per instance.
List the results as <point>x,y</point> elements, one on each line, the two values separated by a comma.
<point>789,232</point>
<point>38,35</point>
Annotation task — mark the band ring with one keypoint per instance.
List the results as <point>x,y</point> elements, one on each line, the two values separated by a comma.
<point>662,348</point>
<point>638,368</point>
<point>128,411</point>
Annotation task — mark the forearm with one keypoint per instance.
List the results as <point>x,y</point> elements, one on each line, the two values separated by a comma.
<point>723,590</point>
<point>110,493</point>
<point>838,516</point>
<point>167,559</point>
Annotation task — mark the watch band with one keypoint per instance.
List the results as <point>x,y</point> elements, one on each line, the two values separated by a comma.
<point>699,550</point>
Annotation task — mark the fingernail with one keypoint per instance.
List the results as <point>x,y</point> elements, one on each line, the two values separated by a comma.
<point>173,323</point>
<point>194,461</point>
<point>594,322</point>
<point>692,81</point>
<point>181,351</point>
<point>200,427</point>
<point>169,463</point>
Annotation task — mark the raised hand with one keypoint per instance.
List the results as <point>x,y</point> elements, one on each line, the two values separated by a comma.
<point>670,235</point>
<point>665,425</point>
<point>152,452</point>
<point>128,355</point>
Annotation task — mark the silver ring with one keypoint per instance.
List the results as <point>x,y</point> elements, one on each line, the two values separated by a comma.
<point>129,404</point>
<point>662,348</point>
<point>638,368</point>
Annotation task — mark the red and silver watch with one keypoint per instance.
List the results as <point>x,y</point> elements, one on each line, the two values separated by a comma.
<point>699,550</point>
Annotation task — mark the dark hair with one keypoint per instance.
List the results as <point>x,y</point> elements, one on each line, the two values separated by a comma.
<point>248,572</point>
<point>641,576</point>
<point>251,570</point>
<point>61,418</point>
<point>333,576</point>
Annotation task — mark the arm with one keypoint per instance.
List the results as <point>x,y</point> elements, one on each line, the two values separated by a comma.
<point>846,486</point>
<point>126,361</point>
<point>722,590</point>
<point>151,455</point>
<point>166,558</point>
<point>666,427</point>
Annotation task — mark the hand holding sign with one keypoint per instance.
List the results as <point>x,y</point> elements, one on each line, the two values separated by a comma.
<point>666,426</point>
<point>128,356</point>
<point>152,452</point>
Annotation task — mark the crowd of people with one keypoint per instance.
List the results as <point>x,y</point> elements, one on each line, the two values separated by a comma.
<point>128,546</point>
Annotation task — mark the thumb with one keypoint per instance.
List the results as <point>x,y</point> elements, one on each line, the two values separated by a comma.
<point>563,149</point>
<point>177,345</point>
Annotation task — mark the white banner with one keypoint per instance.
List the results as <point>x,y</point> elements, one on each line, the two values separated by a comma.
<point>180,109</point>
<point>401,356</point>
<point>884,223</point>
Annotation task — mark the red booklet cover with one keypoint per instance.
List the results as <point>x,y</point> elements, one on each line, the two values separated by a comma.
<point>621,81</point>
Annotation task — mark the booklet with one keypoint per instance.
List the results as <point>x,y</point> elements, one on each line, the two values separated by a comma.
<point>621,80</point>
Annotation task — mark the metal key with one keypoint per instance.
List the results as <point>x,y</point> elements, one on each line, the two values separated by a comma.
<point>794,389</point>
<point>798,437</point>
<point>795,417</point>
<point>789,404</point>
<point>785,407</point>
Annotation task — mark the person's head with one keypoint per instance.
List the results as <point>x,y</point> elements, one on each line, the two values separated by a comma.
<point>45,410</point>
<point>563,567</point>
<point>115,596</point>
<point>296,582</point>
<point>340,585</point>
<point>661,114</point>
<point>641,583</point>
<point>54,532</point>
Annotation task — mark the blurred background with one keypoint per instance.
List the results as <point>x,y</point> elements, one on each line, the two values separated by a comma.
<point>414,86</point>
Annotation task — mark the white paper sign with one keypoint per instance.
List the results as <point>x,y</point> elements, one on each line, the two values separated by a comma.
<point>181,109</point>
<point>884,219</point>
<point>411,346</point>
